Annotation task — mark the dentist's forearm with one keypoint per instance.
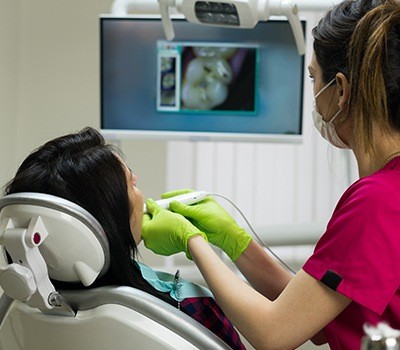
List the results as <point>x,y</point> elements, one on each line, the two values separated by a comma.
<point>262,271</point>
<point>297,315</point>
<point>234,295</point>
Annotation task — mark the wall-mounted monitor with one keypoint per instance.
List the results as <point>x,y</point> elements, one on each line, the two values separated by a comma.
<point>209,83</point>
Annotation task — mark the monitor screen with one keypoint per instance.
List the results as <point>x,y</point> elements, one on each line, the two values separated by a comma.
<point>209,83</point>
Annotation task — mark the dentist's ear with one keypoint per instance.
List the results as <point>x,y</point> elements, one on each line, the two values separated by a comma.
<point>343,89</point>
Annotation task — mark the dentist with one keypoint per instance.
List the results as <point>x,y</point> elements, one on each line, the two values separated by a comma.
<point>353,276</point>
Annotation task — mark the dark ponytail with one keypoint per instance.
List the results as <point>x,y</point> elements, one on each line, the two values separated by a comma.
<point>374,64</point>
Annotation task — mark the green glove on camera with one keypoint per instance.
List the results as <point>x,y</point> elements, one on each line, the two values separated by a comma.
<point>211,218</point>
<point>165,232</point>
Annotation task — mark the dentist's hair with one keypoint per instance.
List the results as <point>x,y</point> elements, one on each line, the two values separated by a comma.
<point>361,39</point>
<point>83,169</point>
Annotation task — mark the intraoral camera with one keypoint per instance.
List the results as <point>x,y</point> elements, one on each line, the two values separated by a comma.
<point>222,13</point>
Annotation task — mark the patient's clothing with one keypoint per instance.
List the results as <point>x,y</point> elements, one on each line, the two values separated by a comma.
<point>359,256</point>
<point>195,301</point>
<point>209,314</point>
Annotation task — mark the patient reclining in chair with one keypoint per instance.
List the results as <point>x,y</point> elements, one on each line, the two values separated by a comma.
<point>83,169</point>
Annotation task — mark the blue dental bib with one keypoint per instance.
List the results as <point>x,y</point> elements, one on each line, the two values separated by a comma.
<point>177,287</point>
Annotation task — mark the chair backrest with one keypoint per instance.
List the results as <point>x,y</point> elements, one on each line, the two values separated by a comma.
<point>48,237</point>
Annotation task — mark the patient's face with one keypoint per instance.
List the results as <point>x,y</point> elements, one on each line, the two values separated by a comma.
<point>136,203</point>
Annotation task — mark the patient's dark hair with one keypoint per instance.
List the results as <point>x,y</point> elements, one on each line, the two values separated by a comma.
<point>83,169</point>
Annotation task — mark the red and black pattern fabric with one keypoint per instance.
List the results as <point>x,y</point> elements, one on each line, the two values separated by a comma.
<point>207,312</point>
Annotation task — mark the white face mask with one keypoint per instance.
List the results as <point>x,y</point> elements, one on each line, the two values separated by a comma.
<point>327,129</point>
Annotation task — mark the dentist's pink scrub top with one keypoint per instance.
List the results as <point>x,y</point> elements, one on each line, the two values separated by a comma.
<point>359,256</point>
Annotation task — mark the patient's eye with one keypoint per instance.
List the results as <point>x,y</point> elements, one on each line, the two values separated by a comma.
<point>134,178</point>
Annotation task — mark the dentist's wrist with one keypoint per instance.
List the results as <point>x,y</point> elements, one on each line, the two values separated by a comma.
<point>196,243</point>
<point>199,236</point>
<point>240,243</point>
<point>235,241</point>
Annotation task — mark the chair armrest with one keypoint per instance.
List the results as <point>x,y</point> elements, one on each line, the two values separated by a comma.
<point>150,306</point>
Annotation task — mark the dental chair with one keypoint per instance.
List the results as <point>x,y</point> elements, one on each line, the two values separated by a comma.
<point>51,238</point>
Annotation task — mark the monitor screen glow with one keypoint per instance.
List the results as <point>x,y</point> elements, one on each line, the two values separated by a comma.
<point>209,83</point>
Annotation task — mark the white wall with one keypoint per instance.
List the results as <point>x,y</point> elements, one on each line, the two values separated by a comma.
<point>58,69</point>
<point>9,45</point>
<point>49,65</point>
<point>49,83</point>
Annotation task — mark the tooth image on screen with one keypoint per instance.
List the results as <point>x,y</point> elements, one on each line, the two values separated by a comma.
<point>220,69</point>
<point>167,64</point>
<point>205,83</point>
<point>168,81</point>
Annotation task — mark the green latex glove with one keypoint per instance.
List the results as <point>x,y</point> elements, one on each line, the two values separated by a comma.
<point>165,232</point>
<point>211,218</point>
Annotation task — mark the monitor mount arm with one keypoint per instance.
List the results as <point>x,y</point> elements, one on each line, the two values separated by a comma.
<point>225,13</point>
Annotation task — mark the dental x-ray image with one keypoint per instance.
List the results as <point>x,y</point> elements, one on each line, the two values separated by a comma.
<point>167,82</point>
<point>206,77</point>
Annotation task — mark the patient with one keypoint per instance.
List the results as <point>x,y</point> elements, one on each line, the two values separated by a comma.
<point>83,169</point>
